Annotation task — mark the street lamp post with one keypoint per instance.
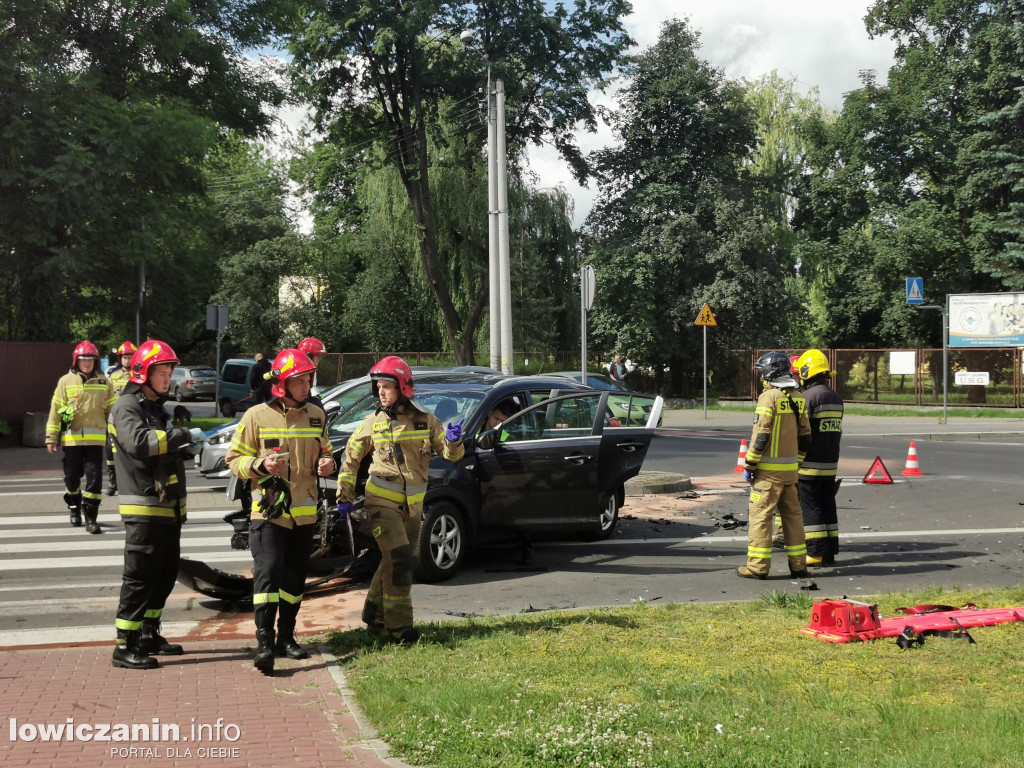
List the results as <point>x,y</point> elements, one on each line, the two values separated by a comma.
<point>499,278</point>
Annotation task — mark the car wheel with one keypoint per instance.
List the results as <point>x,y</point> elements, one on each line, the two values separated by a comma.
<point>227,410</point>
<point>607,518</point>
<point>442,542</point>
<point>177,394</point>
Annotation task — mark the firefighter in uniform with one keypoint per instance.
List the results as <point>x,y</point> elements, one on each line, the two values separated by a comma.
<point>153,504</point>
<point>118,380</point>
<point>279,448</point>
<point>780,438</point>
<point>78,422</point>
<point>399,439</point>
<point>315,351</point>
<point>818,471</point>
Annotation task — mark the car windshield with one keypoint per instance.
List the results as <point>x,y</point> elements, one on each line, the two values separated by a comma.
<point>203,373</point>
<point>447,405</point>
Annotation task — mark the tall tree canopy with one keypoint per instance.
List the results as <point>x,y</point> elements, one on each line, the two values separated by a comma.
<point>107,110</point>
<point>379,72</point>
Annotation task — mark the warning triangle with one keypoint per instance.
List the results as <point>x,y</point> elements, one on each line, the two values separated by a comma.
<point>878,474</point>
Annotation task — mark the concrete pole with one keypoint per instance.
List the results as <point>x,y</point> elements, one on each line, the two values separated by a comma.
<point>503,246</point>
<point>494,321</point>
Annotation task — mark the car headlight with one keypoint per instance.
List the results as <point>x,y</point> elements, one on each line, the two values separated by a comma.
<point>223,437</point>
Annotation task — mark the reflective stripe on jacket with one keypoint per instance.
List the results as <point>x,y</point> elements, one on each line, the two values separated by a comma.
<point>825,411</point>
<point>775,451</point>
<point>299,432</point>
<point>119,380</point>
<point>91,399</point>
<point>401,449</point>
<point>148,461</point>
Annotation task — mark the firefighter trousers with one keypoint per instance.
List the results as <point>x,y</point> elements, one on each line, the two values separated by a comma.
<point>280,557</point>
<point>389,598</point>
<point>765,496</point>
<point>87,461</point>
<point>821,521</point>
<point>151,552</point>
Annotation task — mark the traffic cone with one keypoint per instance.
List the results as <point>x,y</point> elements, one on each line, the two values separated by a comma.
<point>913,468</point>
<point>741,458</point>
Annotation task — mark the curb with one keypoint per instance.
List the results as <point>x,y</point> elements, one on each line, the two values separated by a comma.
<point>657,482</point>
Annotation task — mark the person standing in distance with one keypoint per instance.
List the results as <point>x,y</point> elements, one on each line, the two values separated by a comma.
<point>617,370</point>
<point>118,380</point>
<point>818,470</point>
<point>78,422</point>
<point>399,438</point>
<point>153,504</point>
<point>279,448</point>
<point>777,446</point>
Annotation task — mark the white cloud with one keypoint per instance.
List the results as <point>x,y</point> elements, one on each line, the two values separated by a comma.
<point>822,44</point>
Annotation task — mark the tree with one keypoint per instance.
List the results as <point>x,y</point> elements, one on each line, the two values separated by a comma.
<point>107,111</point>
<point>377,71</point>
<point>676,222</point>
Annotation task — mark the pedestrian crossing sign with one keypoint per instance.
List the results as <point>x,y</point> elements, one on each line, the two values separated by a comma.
<point>915,290</point>
<point>705,317</point>
<point>878,474</point>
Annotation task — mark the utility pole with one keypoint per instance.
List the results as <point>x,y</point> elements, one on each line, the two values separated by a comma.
<point>504,279</point>
<point>494,304</point>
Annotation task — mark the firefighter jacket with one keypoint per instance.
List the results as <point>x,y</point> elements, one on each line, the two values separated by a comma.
<point>147,458</point>
<point>825,411</point>
<point>79,410</point>
<point>780,438</point>
<point>400,449</point>
<point>300,432</point>
<point>119,380</point>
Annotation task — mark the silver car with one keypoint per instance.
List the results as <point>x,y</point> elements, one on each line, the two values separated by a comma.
<point>190,382</point>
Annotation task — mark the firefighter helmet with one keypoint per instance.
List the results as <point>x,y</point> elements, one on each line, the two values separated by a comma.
<point>288,363</point>
<point>813,363</point>
<point>775,368</point>
<point>84,349</point>
<point>312,346</point>
<point>152,352</point>
<point>126,349</point>
<point>394,369</point>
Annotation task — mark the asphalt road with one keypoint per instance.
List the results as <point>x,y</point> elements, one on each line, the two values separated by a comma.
<point>961,525</point>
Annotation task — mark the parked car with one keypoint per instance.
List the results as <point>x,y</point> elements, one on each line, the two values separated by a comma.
<point>627,410</point>
<point>557,466</point>
<point>237,389</point>
<point>192,382</point>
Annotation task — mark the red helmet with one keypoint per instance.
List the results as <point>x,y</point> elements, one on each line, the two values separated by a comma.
<point>394,369</point>
<point>288,363</point>
<point>794,368</point>
<point>151,353</point>
<point>312,346</point>
<point>126,349</point>
<point>85,349</point>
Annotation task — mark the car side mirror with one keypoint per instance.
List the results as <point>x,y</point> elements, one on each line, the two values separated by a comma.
<point>332,407</point>
<point>487,439</point>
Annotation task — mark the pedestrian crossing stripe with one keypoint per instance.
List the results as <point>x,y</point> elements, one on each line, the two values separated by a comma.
<point>878,474</point>
<point>706,317</point>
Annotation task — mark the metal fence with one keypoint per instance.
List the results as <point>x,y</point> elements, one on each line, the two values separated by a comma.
<point>863,376</point>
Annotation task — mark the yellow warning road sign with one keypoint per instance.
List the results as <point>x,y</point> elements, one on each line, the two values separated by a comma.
<point>705,317</point>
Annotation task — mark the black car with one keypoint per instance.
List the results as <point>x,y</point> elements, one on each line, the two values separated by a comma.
<point>557,465</point>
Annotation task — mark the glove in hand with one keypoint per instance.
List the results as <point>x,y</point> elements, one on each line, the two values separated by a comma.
<point>748,475</point>
<point>454,431</point>
<point>344,508</point>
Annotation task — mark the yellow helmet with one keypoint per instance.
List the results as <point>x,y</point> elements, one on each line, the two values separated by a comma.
<point>812,363</point>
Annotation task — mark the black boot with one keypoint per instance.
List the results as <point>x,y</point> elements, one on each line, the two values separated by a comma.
<point>111,482</point>
<point>74,502</point>
<point>128,655</point>
<point>264,658</point>
<point>91,512</point>
<point>76,516</point>
<point>286,646</point>
<point>152,642</point>
<point>407,636</point>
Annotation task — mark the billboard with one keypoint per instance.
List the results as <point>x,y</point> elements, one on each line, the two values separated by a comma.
<point>986,320</point>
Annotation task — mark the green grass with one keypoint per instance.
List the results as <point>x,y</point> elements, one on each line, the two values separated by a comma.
<point>209,422</point>
<point>889,410</point>
<point>693,685</point>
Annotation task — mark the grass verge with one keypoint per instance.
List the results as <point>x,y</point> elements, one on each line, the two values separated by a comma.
<point>693,685</point>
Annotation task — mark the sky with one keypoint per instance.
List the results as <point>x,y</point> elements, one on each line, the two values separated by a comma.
<point>821,43</point>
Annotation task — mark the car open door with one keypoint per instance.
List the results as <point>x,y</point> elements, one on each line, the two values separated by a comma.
<point>624,444</point>
<point>540,468</point>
